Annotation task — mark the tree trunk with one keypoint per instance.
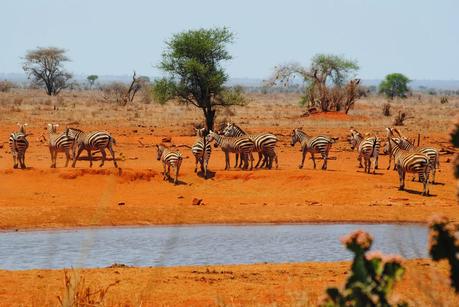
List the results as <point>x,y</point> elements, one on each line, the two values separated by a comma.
<point>209,114</point>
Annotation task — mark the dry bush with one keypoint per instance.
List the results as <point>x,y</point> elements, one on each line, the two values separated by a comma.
<point>6,86</point>
<point>78,294</point>
<point>400,118</point>
<point>443,100</point>
<point>386,109</point>
<point>115,92</point>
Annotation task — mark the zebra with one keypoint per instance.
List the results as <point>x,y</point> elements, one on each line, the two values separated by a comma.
<point>242,145</point>
<point>59,143</point>
<point>265,144</point>
<point>405,144</point>
<point>201,151</point>
<point>169,159</point>
<point>368,148</point>
<point>410,162</point>
<point>94,140</point>
<point>318,144</point>
<point>18,146</point>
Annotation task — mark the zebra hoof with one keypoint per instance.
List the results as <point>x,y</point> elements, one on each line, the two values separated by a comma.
<point>300,166</point>
<point>15,166</point>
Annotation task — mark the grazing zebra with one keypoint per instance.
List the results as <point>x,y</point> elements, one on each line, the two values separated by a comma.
<point>18,146</point>
<point>95,140</point>
<point>265,144</point>
<point>59,142</point>
<point>242,145</point>
<point>405,144</point>
<point>201,151</point>
<point>169,159</point>
<point>368,148</point>
<point>410,162</point>
<point>319,144</point>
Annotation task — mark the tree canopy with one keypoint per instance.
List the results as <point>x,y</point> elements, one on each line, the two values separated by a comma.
<point>192,62</point>
<point>45,67</point>
<point>325,81</point>
<point>394,85</point>
<point>92,79</point>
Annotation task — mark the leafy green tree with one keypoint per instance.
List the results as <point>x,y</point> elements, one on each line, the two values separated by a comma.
<point>45,67</point>
<point>325,81</point>
<point>394,85</point>
<point>92,79</point>
<point>192,61</point>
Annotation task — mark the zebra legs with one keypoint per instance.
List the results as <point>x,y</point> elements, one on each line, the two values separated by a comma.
<point>426,182</point>
<point>76,155</point>
<point>304,156</point>
<point>237,158</point>
<point>325,164</point>
<point>90,157</point>
<point>401,175</point>
<point>104,156</point>
<point>260,156</point>
<point>112,152</point>
<point>67,157</point>
<point>15,159</point>
<point>53,161</point>
<point>227,162</point>
<point>21,158</point>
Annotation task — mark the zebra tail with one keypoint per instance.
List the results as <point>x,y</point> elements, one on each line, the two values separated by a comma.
<point>112,139</point>
<point>334,140</point>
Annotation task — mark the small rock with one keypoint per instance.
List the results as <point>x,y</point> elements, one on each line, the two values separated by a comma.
<point>180,197</point>
<point>197,202</point>
<point>1,145</point>
<point>121,203</point>
<point>135,131</point>
<point>167,139</point>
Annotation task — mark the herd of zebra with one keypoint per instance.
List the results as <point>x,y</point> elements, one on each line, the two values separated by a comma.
<point>421,161</point>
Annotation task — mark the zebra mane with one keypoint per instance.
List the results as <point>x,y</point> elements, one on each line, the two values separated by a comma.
<point>301,132</point>
<point>238,128</point>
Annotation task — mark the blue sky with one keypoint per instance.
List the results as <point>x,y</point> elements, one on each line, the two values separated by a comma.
<point>419,38</point>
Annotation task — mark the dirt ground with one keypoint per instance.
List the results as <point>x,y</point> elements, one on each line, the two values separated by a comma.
<point>300,284</point>
<point>40,197</point>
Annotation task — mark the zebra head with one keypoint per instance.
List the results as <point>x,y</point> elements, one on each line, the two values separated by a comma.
<point>354,138</point>
<point>200,132</point>
<point>296,136</point>
<point>22,127</point>
<point>212,136</point>
<point>159,151</point>
<point>52,128</point>
<point>229,130</point>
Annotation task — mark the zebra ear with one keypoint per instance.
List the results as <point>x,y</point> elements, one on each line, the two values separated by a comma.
<point>25,124</point>
<point>50,125</point>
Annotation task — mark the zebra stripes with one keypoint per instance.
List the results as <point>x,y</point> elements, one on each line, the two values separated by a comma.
<point>169,159</point>
<point>241,145</point>
<point>410,162</point>
<point>367,148</point>
<point>319,144</point>
<point>18,146</point>
<point>59,143</point>
<point>265,144</point>
<point>95,140</point>
<point>201,151</point>
<point>431,152</point>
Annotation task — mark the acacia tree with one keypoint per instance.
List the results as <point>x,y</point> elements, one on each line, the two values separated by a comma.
<point>192,61</point>
<point>325,81</point>
<point>91,80</point>
<point>394,85</point>
<point>44,66</point>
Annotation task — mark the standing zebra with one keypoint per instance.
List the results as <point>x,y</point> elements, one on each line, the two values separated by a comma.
<point>405,144</point>
<point>318,144</point>
<point>94,140</point>
<point>18,146</point>
<point>241,145</point>
<point>201,151</point>
<point>169,159</point>
<point>368,148</point>
<point>265,144</point>
<point>410,162</point>
<point>59,142</point>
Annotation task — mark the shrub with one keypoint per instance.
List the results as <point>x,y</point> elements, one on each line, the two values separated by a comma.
<point>386,109</point>
<point>6,86</point>
<point>400,118</point>
<point>115,92</point>
<point>372,276</point>
<point>443,100</point>
<point>444,244</point>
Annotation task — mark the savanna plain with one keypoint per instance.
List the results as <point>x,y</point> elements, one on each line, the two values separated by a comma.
<point>136,195</point>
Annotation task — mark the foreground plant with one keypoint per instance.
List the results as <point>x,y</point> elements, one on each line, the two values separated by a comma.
<point>78,294</point>
<point>444,244</point>
<point>372,277</point>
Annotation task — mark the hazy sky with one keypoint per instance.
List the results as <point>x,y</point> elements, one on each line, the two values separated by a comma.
<point>417,37</point>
